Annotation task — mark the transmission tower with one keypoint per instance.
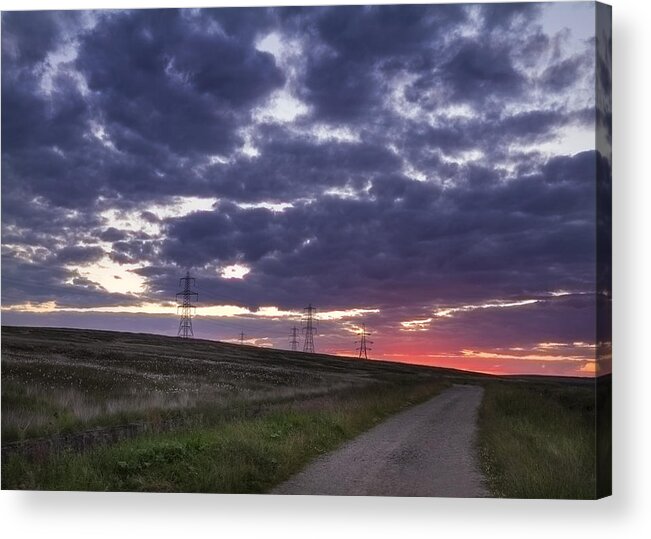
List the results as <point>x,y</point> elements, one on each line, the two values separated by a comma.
<point>242,337</point>
<point>309,329</point>
<point>363,342</point>
<point>185,300</point>
<point>293,339</point>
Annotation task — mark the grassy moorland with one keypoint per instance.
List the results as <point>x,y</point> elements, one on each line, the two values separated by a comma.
<point>58,381</point>
<point>236,455</point>
<point>231,418</point>
<point>243,417</point>
<point>537,439</point>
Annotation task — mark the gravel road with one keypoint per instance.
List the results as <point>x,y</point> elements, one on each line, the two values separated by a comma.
<point>426,450</point>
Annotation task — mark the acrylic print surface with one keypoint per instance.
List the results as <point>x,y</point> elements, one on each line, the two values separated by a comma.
<point>350,250</point>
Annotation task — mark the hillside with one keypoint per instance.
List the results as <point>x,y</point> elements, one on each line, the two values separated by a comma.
<point>63,380</point>
<point>98,410</point>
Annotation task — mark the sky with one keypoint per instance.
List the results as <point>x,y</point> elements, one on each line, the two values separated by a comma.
<point>427,170</point>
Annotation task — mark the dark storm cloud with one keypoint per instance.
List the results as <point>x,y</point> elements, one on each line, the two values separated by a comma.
<point>563,319</point>
<point>162,87</point>
<point>79,255</point>
<point>563,74</point>
<point>603,44</point>
<point>61,118</point>
<point>345,80</point>
<point>476,73</point>
<point>150,217</point>
<point>112,234</point>
<point>29,37</point>
<point>160,78</point>
<point>488,69</point>
<point>492,135</point>
<point>410,235</point>
<point>45,140</point>
<point>121,258</point>
<point>292,167</point>
<point>166,88</point>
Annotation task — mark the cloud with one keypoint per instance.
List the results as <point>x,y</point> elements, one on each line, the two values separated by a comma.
<point>438,161</point>
<point>79,254</point>
<point>27,38</point>
<point>565,73</point>
<point>163,79</point>
<point>358,45</point>
<point>112,234</point>
<point>477,73</point>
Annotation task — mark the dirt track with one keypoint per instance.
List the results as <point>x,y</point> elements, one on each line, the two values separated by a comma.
<point>424,451</point>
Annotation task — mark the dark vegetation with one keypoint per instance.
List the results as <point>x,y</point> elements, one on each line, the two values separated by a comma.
<point>235,455</point>
<point>242,419</point>
<point>537,439</point>
<point>57,381</point>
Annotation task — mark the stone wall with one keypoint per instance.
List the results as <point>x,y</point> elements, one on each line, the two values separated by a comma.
<point>40,448</point>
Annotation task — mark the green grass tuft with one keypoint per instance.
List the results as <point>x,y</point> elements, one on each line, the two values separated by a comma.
<point>241,455</point>
<point>538,440</point>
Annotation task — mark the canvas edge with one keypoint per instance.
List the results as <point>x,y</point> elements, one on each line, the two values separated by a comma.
<point>603,146</point>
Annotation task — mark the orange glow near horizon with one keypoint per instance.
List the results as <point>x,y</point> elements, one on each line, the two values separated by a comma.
<point>406,342</point>
<point>584,368</point>
<point>575,359</point>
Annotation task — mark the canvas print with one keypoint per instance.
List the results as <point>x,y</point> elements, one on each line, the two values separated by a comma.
<point>336,250</point>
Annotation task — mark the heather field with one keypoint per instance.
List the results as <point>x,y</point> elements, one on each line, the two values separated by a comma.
<point>96,410</point>
<point>60,381</point>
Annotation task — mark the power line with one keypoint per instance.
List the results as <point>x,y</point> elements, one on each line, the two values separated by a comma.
<point>294,339</point>
<point>309,329</point>
<point>185,300</point>
<point>362,348</point>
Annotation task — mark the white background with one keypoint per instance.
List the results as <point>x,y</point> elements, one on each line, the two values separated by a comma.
<point>626,514</point>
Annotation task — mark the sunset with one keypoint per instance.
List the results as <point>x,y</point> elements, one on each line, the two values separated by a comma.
<point>330,250</point>
<point>305,160</point>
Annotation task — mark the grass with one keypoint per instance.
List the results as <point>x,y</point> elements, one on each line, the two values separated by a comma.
<point>57,381</point>
<point>604,436</point>
<point>245,418</point>
<point>241,455</point>
<point>537,440</point>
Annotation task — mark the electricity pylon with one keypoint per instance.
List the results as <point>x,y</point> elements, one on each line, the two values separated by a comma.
<point>363,342</point>
<point>185,300</point>
<point>309,329</point>
<point>293,339</point>
<point>242,337</point>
